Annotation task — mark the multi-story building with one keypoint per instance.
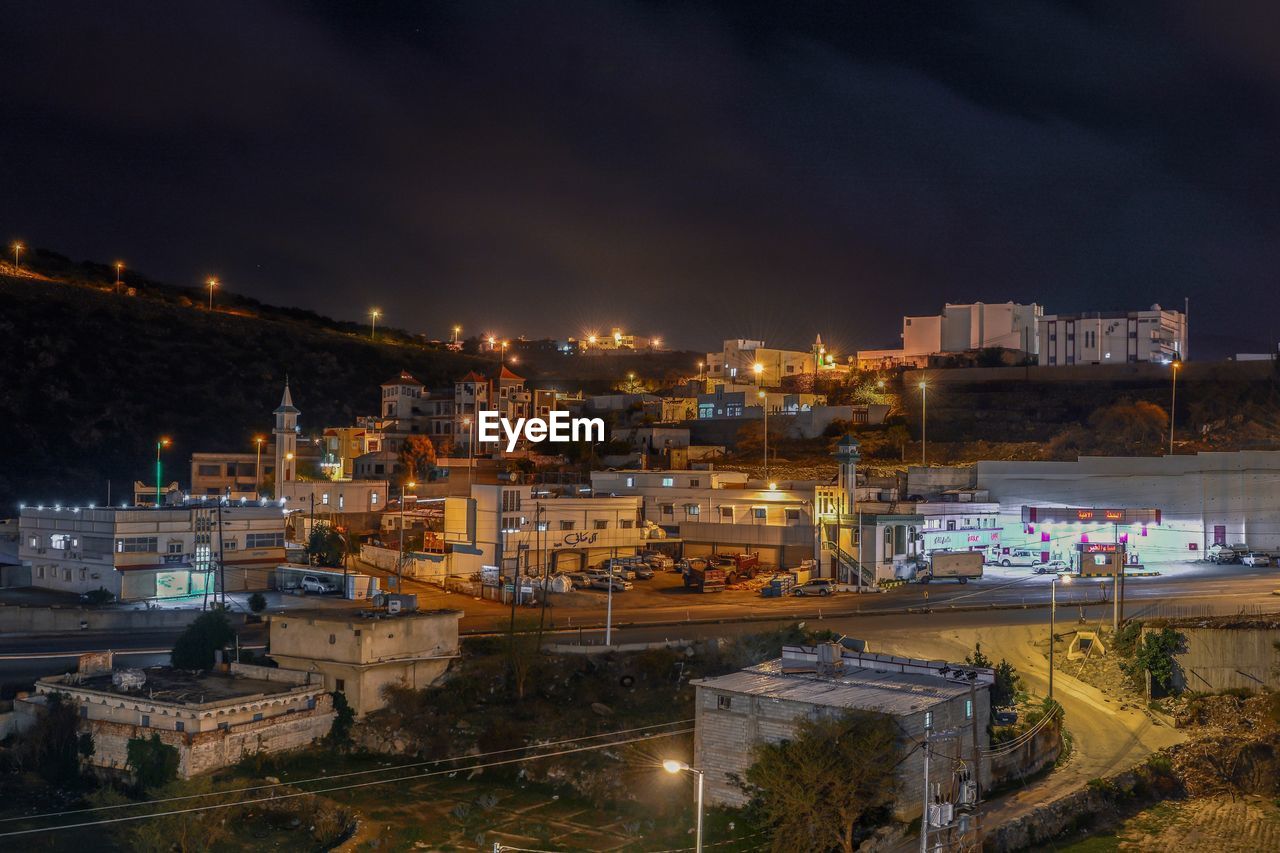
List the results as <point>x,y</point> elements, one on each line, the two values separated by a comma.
<point>719,512</point>
<point>138,553</point>
<point>534,528</point>
<point>958,329</point>
<point>763,703</point>
<point>1117,337</point>
<point>231,475</point>
<point>737,360</point>
<point>618,340</point>
<point>358,657</point>
<point>504,393</point>
<point>212,719</point>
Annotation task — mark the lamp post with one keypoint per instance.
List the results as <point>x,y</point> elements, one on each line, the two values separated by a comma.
<point>374,314</point>
<point>764,404</point>
<point>502,352</point>
<point>924,424</point>
<point>162,442</point>
<point>673,766</point>
<point>1173,401</point>
<point>257,469</point>
<point>211,284</point>
<point>457,330</point>
<point>1053,612</point>
<point>758,369</point>
<point>119,270</point>
<point>699,371</point>
<point>400,562</point>
<point>470,452</point>
<point>17,247</point>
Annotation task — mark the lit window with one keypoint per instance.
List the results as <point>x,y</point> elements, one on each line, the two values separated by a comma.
<point>968,709</point>
<point>668,481</point>
<point>631,482</point>
<point>760,512</point>
<point>324,499</point>
<point>373,498</point>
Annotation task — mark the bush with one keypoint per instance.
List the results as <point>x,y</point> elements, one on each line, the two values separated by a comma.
<point>153,763</point>
<point>257,602</point>
<point>196,645</point>
<point>1127,638</point>
<point>344,716</point>
<point>98,596</point>
<point>1155,655</point>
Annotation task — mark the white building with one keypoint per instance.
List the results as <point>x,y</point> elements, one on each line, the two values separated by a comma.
<point>717,512</point>
<point>534,528</point>
<point>961,328</point>
<point>1113,337</point>
<point>151,553</point>
<point>1203,500</point>
<point>737,360</point>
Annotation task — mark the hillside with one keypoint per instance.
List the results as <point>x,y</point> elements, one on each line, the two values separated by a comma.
<point>89,380</point>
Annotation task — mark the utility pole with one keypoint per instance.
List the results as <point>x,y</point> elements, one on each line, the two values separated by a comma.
<point>924,814</point>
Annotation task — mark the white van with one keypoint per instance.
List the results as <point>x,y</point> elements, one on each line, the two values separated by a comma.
<point>1019,557</point>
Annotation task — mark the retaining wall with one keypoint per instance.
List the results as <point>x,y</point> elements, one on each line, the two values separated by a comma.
<point>40,620</point>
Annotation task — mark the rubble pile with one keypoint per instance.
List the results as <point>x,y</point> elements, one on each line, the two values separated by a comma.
<point>1235,744</point>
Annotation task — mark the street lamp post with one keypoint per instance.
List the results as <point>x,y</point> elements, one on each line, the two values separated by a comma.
<point>119,270</point>
<point>400,562</point>
<point>457,330</point>
<point>1053,612</point>
<point>374,314</point>
<point>211,284</point>
<point>764,404</point>
<point>1173,401</point>
<point>924,424</point>
<point>17,247</point>
<point>257,469</point>
<point>502,352</point>
<point>163,442</point>
<point>673,766</point>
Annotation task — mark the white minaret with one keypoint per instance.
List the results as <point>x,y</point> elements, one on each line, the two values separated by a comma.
<point>286,439</point>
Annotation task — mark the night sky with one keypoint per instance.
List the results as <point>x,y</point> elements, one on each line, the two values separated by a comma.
<point>695,170</point>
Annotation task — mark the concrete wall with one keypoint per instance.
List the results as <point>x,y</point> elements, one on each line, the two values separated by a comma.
<point>36,620</point>
<point>1227,658</point>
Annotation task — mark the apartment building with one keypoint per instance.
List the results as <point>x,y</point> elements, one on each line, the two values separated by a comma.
<point>960,328</point>
<point>1115,337</point>
<point>504,393</point>
<point>737,360</point>
<point>138,553</point>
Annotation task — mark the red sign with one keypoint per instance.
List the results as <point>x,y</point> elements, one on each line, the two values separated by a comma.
<point>1099,548</point>
<point>1193,546</point>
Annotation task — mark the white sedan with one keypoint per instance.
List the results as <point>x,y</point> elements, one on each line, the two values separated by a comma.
<point>1256,560</point>
<point>1053,567</point>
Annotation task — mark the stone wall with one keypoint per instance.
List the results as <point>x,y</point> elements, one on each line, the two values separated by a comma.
<point>1030,758</point>
<point>1223,658</point>
<point>38,620</point>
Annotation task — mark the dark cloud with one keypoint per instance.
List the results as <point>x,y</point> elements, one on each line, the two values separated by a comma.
<point>696,170</point>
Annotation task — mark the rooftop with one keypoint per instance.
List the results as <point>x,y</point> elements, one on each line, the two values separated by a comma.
<point>867,682</point>
<point>180,687</point>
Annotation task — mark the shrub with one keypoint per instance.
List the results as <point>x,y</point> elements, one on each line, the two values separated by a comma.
<point>257,602</point>
<point>99,596</point>
<point>344,716</point>
<point>196,645</point>
<point>153,763</point>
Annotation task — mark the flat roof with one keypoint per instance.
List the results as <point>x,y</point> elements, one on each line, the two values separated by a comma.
<point>857,688</point>
<point>181,687</point>
<point>362,615</point>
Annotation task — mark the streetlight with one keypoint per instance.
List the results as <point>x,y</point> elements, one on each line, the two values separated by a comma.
<point>457,330</point>
<point>17,247</point>
<point>470,451</point>
<point>1053,611</point>
<point>119,269</point>
<point>672,766</point>
<point>1173,402</point>
<point>764,404</point>
<point>924,424</point>
<point>211,284</point>
<point>699,371</point>
<point>162,442</point>
<point>502,351</point>
<point>400,564</point>
<point>257,469</point>
<point>759,371</point>
<point>374,314</point>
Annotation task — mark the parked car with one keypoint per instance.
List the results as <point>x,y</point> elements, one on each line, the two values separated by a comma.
<point>1221,554</point>
<point>619,585</point>
<point>1052,567</point>
<point>1255,559</point>
<point>312,583</point>
<point>659,562</point>
<point>619,568</point>
<point>1019,557</point>
<point>817,586</point>
<point>580,580</point>
<point>643,571</point>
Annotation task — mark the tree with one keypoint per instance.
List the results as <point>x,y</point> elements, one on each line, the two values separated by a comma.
<point>325,546</point>
<point>1007,684</point>
<point>53,747</point>
<point>1154,654</point>
<point>829,785</point>
<point>417,458</point>
<point>152,762</point>
<point>196,645</point>
<point>257,602</point>
<point>344,716</point>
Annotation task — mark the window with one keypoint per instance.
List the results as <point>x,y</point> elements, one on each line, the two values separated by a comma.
<point>510,500</point>
<point>631,482</point>
<point>174,548</point>
<point>339,685</point>
<point>84,574</point>
<point>33,542</point>
<point>146,721</point>
<point>257,716</point>
<point>668,509</point>
<point>209,470</point>
<point>692,510</point>
<point>928,719</point>
<point>224,726</point>
<point>726,513</point>
<point>792,515</point>
<point>137,545</point>
<point>693,483</point>
<point>968,709</point>
<point>228,544</point>
<point>324,499</point>
<point>602,524</point>
<point>178,726</point>
<point>264,540</point>
<point>512,522</point>
<point>566,525</point>
<point>40,572</point>
<point>724,703</point>
<point>626,523</point>
<point>60,541</point>
<point>760,512</point>
<point>668,482</point>
<point>373,498</point>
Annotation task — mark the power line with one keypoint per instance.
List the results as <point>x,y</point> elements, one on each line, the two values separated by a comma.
<point>292,795</point>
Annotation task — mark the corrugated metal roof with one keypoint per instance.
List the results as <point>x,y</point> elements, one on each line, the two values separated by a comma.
<point>861,688</point>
